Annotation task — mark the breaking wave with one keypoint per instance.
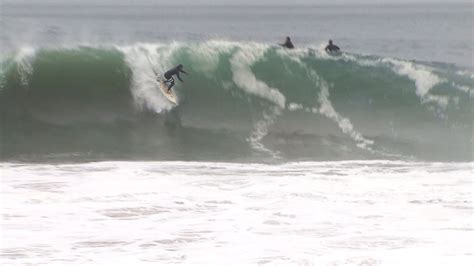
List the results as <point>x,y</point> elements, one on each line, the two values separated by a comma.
<point>240,101</point>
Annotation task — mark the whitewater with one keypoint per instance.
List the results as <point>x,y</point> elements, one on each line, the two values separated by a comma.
<point>271,156</point>
<point>149,213</point>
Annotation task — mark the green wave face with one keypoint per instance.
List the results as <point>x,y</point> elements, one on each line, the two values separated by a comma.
<point>239,102</point>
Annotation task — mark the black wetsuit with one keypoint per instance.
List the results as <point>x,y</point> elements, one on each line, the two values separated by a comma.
<point>332,48</point>
<point>170,73</point>
<point>288,44</point>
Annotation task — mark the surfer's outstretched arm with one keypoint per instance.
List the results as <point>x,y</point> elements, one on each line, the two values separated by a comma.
<point>182,71</point>
<point>177,75</point>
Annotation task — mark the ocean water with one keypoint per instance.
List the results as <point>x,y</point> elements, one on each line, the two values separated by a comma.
<point>272,156</point>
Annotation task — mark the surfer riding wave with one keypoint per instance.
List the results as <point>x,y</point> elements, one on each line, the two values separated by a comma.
<point>170,73</point>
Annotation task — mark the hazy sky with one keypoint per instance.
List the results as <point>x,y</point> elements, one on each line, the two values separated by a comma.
<point>234,2</point>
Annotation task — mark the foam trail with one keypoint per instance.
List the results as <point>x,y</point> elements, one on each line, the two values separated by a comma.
<point>295,107</point>
<point>206,56</point>
<point>24,60</point>
<point>325,106</point>
<point>464,89</point>
<point>424,80</point>
<point>344,124</point>
<point>261,130</point>
<point>465,73</point>
<point>245,79</point>
<point>3,79</point>
<point>144,86</point>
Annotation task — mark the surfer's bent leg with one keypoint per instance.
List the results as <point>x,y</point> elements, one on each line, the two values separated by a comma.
<point>171,81</point>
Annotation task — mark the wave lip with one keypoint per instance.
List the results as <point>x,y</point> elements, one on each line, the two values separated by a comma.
<point>241,101</point>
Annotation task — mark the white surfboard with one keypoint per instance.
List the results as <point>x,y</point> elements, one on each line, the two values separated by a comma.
<point>169,95</point>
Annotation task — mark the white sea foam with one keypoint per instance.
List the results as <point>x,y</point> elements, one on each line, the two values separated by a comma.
<point>24,59</point>
<point>260,130</point>
<point>424,80</point>
<point>421,75</point>
<point>466,73</point>
<point>344,123</point>
<point>243,76</point>
<point>241,63</point>
<point>146,62</point>
<point>468,90</point>
<point>326,108</point>
<point>207,213</point>
<point>205,56</point>
<point>295,107</point>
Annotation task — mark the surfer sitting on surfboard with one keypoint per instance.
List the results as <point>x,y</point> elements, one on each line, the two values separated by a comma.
<point>170,73</point>
<point>331,47</point>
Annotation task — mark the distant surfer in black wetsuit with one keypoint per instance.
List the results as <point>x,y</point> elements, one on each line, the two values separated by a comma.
<point>287,44</point>
<point>331,47</point>
<point>170,73</point>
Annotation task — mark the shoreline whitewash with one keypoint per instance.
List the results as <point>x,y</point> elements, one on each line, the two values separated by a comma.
<point>207,213</point>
